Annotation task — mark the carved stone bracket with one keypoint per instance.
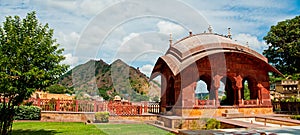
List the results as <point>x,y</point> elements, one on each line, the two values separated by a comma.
<point>239,82</point>
<point>217,79</point>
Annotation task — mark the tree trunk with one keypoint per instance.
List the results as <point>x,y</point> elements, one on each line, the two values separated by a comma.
<point>6,115</point>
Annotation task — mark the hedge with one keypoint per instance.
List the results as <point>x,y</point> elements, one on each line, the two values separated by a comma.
<point>27,113</point>
<point>102,117</point>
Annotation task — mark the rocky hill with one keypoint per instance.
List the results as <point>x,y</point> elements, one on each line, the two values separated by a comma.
<point>107,80</point>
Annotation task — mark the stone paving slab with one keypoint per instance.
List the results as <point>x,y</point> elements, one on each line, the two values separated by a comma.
<point>240,123</point>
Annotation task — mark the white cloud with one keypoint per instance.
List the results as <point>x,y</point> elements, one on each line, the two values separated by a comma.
<point>129,37</point>
<point>70,59</point>
<point>168,28</point>
<point>68,18</point>
<point>146,69</point>
<point>253,42</point>
<point>143,47</point>
<point>91,7</point>
<point>68,40</point>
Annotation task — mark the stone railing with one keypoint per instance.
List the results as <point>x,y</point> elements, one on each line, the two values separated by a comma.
<point>153,107</point>
<point>113,107</point>
<point>205,103</point>
<point>253,102</point>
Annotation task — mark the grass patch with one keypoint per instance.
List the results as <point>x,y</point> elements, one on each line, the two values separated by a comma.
<point>76,128</point>
<point>55,128</point>
<point>132,129</point>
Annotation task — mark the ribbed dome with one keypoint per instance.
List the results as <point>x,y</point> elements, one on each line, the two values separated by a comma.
<point>194,47</point>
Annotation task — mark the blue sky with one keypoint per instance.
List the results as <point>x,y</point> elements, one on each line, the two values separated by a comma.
<point>137,31</point>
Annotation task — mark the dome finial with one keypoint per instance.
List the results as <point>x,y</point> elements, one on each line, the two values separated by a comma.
<point>210,29</point>
<point>229,33</point>
<point>170,40</point>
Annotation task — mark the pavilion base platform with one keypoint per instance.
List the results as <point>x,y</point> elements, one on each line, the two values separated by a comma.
<point>225,111</point>
<point>193,118</point>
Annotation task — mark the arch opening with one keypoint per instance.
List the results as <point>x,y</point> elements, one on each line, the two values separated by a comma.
<point>201,91</point>
<point>228,98</point>
<point>203,87</point>
<point>249,90</point>
<point>170,93</point>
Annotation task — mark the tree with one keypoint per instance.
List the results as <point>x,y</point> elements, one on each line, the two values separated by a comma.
<point>284,46</point>
<point>58,89</point>
<point>29,60</point>
<point>246,91</point>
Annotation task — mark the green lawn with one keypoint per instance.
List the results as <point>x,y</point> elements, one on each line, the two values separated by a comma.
<point>73,128</point>
<point>131,129</point>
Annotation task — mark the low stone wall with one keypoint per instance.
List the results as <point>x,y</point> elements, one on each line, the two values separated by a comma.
<point>58,116</point>
<point>176,122</point>
<point>215,112</point>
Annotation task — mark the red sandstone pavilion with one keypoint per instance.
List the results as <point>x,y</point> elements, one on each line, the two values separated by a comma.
<point>212,58</point>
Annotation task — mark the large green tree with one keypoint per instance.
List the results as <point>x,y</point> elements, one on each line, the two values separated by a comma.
<point>29,60</point>
<point>284,46</point>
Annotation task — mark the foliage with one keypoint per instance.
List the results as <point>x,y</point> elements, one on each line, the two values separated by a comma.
<point>55,128</point>
<point>102,117</point>
<point>206,97</point>
<point>296,117</point>
<point>284,50</point>
<point>224,99</point>
<point>291,99</point>
<point>139,97</point>
<point>103,92</point>
<point>52,104</point>
<point>27,113</point>
<point>58,89</point>
<point>156,99</point>
<point>246,92</point>
<point>274,79</point>
<point>196,125</point>
<point>29,60</point>
<point>212,124</point>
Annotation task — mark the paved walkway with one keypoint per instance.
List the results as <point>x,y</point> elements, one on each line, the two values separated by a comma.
<point>240,123</point>
<point>292,130</point>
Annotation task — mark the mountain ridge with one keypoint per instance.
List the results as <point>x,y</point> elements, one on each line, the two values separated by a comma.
<point>96,77</point>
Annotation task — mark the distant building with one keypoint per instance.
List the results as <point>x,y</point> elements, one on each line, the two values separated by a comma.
<point>285,89</point>
<point>46,95</point>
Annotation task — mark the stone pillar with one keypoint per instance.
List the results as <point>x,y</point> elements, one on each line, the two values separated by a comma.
<point>239,85</point>
<point>188,96</point>
<point>217,79</point>
<point>163,99</point>
<point>211,94</point>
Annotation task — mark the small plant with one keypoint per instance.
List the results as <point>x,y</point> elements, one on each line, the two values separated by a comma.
<point>102,117</point>
<point>194,125</point>
<point>52,104</point>
<point>179,124</point>
<point>296,117</point>
<point>212,124</point>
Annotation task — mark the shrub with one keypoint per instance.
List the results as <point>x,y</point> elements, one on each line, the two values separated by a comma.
<point>102,117</point>
<point>212,124</point>
<point>27,113</point>
<point>296,117</point>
